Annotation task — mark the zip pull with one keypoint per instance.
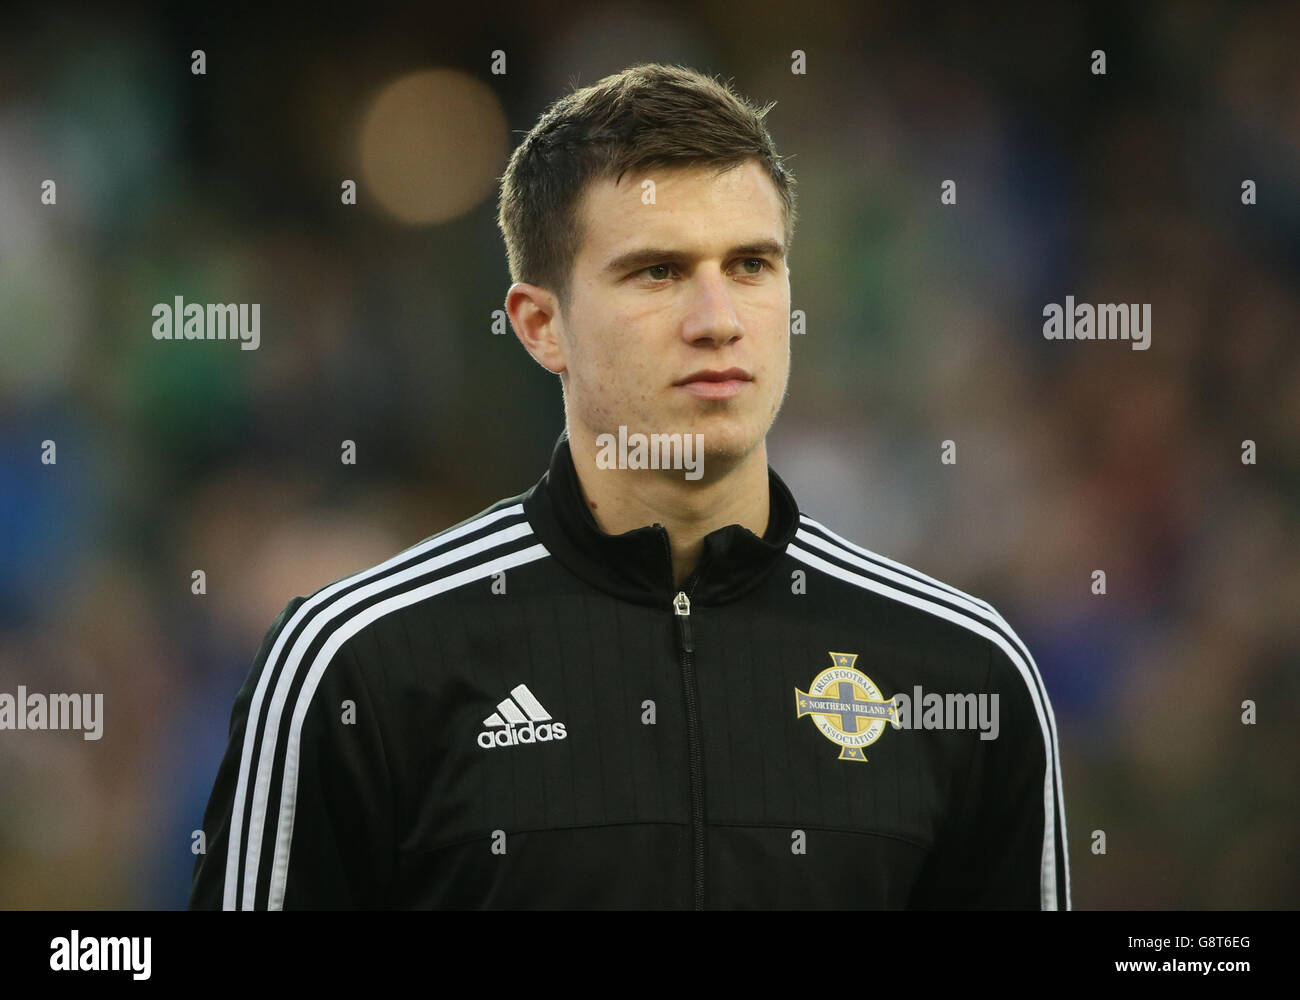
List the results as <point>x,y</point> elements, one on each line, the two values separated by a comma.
<point>682,610</point>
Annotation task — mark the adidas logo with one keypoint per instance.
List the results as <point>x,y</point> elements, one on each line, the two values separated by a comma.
<point>517,721</point>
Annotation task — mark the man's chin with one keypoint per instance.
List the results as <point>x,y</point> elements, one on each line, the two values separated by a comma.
<point>723,450</point>
<point>724,440</point>
<point>727,431</point>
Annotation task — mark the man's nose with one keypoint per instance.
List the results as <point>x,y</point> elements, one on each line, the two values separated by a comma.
<point>711,314</point>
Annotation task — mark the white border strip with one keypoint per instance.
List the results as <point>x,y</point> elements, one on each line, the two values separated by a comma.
<point>910,572</point>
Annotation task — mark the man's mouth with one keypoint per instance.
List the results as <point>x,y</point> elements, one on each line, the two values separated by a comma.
<point>715,384</point>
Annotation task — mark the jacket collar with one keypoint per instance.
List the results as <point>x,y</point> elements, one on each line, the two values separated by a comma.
<point>636,565</point>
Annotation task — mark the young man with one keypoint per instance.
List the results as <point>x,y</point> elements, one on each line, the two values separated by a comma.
<point>648,681</point>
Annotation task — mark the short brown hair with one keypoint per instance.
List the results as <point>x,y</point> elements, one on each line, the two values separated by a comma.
<point>649,115</point>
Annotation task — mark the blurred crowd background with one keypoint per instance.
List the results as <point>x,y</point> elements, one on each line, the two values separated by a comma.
<point>924,324</point>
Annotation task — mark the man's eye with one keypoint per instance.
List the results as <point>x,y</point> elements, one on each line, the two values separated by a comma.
<point>660,272</point>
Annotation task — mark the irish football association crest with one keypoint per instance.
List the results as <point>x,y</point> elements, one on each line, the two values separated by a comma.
<point>846,706</point>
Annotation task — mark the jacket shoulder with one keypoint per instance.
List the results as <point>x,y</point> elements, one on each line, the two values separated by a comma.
<point>833,554</point>
<point>933,605</point>
<point>491,541</point>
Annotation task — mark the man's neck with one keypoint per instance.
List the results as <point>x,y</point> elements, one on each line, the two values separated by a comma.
<point>625,499</point>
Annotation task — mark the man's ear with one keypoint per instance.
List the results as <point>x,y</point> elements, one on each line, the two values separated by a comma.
<point>534,314</point>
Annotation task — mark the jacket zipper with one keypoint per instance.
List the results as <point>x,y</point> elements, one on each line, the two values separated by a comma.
<point>686,645</point>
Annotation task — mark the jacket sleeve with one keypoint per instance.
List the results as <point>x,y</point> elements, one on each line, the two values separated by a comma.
<point>301,814</point>
<point>1005,847</point>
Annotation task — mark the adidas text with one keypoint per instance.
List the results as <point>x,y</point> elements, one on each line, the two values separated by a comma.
<point>525,733</point>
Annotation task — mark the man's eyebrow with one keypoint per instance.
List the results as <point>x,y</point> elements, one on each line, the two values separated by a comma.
<point>635,260</point>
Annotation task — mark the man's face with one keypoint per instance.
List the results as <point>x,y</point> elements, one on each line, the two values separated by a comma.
<point>695,282</point>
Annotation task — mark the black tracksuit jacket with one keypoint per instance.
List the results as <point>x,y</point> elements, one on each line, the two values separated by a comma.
<point>524,712</point>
